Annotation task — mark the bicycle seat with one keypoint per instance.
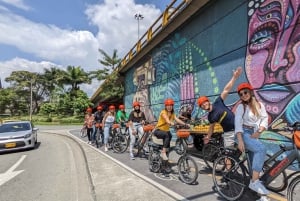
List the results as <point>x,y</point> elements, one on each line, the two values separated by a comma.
<point>156,140</point>
<point>154,145</point>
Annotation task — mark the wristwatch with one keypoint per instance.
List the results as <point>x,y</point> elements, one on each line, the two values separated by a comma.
<point>259,131</point>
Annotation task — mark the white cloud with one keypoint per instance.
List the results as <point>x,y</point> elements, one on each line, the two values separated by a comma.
<point>118,29</point>
<point>49,42</point>
<point>62,47</point>
<point>17,64</point>
<point>17,3</point>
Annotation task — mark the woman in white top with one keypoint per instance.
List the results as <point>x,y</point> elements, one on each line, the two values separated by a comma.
<point>251,119</point>
<point>108,121</point>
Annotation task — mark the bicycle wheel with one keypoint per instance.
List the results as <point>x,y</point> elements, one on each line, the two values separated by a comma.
<point>180,146</point>
<point>187,169</point>
<point>83,132</point>
<point>210,152</point>
<point>154,161</point>
<point>280,183</point>
<point>119,143</point>
<point>231,182</point>
<point>293,191</point>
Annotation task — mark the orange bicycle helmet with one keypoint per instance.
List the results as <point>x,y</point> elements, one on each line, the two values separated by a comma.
<point>112,107</point>
<point>244,85</point>
<point>99,108</point>
<point>169,101</point>
<point>136,104</point>
<point>121,107</point>
<point>202,100</point>
<point>89,109</point>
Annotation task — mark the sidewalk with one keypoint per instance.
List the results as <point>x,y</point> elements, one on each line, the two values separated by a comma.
<point>114,181</point>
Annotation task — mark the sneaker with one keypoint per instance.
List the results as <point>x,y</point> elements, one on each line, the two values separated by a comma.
<point>258,187</point>
<point>105,148</point>
<point>263,198</point>
<point>164,156</point>
<point>89,142</point>
<point>132,156</point>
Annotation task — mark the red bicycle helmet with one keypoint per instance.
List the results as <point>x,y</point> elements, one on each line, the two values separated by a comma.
<point>99,108</point>
<point>89,109</point>
<point>136,104</point>
<point>244,85</point>
<point>121,107</point>
<point>112,107</point>
<point>202,100</point>
<point>169,101</point>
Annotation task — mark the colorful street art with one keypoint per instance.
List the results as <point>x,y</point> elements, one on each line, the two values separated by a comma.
<point>183,68</point>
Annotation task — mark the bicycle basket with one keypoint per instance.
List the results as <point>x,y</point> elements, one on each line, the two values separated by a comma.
<point>116,126</point>
<point>148,127</point>
<point>98,125</point>
<point>183,133</point>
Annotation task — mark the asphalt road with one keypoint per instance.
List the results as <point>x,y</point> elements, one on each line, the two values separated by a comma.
<point>55,170</point>
<point>202,189</point>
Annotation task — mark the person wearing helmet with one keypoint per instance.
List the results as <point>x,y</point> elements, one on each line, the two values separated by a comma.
<point>136,120</point>
<point>107,122</point>
<point>165,120</point>
<point>218,112</point>
<point>251,119</point>
<point>122,118</point>
<point>89,121</point>
<point>99,114</point>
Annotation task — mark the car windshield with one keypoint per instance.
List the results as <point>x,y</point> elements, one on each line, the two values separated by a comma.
<point>15,127</point>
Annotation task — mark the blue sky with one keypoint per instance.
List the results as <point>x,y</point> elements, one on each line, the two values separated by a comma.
<point>38,34</point>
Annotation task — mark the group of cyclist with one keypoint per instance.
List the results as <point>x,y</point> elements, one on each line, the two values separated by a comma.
<point>242,127</point>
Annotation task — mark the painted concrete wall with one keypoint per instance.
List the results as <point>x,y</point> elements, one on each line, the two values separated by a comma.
<point>262,36</point>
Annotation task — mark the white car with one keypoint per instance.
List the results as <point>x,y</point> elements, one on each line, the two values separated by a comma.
<point>17,135</point>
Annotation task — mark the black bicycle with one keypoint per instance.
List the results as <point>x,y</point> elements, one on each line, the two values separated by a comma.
<point>186,165</point>
<point>235,177</point>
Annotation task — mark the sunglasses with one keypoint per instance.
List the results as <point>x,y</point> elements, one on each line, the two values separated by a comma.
<point>242,93</point>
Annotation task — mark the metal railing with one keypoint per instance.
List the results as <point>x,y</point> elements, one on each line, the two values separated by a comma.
<point>164,19</point>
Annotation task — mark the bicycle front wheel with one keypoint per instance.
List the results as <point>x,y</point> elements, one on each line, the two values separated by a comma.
<point>293,192</point>
<point>187,169</point>
<point>231,182</point>
<point>120,143</point>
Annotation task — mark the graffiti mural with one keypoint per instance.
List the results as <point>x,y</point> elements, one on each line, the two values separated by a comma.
<point>272,61</point>
<point>190,63</point>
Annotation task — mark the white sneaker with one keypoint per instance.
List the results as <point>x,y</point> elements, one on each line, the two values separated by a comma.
<point>132,156</point>
<point>263,198</point>
<point>164,156</point>
<point>258,187</point>
<point>105,148</point>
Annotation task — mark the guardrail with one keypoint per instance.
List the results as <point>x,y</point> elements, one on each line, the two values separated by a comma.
<point>170,12</point>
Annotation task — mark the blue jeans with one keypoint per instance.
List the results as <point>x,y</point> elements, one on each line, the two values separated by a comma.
<point>107,126</point>
<point>257,148</point>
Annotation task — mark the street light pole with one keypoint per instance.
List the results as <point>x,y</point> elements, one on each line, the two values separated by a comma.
<point>30,112</point>
<point>138,17</point>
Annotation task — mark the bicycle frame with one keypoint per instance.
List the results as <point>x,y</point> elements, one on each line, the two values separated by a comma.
<point>280,166</point>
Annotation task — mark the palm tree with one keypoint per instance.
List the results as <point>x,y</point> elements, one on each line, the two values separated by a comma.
<point>107,61</point>
<point>75,76</point>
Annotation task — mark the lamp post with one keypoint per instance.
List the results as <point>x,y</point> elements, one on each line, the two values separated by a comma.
<point>30,110</point>
<point>138,17</point>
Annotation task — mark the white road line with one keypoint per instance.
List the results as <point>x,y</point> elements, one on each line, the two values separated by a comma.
<point>10,173</point>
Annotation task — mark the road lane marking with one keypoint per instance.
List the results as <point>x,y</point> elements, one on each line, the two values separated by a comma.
<point>10,173</point>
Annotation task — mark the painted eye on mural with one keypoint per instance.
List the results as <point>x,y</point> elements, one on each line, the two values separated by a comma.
<point>261,37</point>
<point>270,16</point>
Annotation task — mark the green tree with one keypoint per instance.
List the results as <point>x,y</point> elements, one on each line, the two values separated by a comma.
<point>74,76</point>
<point>109,62</point>
<point>113,87</point>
